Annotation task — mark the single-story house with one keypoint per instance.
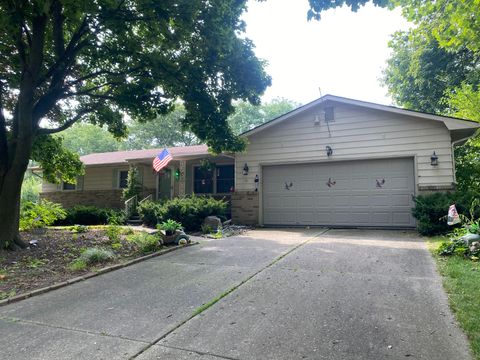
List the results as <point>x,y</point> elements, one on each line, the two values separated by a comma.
<point>334,161</point>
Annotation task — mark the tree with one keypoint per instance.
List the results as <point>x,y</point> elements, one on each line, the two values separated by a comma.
<point>247,116</point>
<point>165,130</point>
<point>84,139</point>
<point>67,61</point>
<point>420,73</point>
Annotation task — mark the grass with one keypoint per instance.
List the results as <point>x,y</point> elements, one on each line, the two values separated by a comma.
<point>461,280</point>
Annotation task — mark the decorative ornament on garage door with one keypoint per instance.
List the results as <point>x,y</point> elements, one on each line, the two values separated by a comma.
<point>288,186</point>
<point>380,183</point>
<point>330,182</point>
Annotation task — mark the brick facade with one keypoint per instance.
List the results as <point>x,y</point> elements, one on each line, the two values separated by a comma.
<point>100,198</point>
<point>245,207</point>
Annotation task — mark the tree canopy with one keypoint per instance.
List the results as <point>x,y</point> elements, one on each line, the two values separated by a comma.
<point>63,61</point>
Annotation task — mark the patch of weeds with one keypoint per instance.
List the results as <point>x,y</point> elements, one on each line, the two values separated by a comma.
<point>7,294</point>
<point>74,236</point>
<point>77,229</point>
<point>113,233</point>
<point>78,265</point>
<point>116,246</point>
<point>145,242</point>
<point>206,229</point>
<point>35,263</point>
<point>128,231</point>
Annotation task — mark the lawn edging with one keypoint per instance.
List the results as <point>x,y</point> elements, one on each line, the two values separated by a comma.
<point>98,272</point>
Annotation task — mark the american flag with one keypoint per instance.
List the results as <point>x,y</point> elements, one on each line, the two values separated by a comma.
<point>161,160</point>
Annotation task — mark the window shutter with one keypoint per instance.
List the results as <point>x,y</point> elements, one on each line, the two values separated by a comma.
<point>80,182</point>
<point>115,179</point>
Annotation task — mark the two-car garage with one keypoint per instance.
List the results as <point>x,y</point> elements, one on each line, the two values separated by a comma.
<point>343,193</point>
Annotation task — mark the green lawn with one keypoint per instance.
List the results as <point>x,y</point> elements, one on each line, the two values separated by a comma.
<point>461,280</point>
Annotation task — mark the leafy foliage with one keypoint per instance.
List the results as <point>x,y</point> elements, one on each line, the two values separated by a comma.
<point>248,116</point>
<point>83,139</point>
<point>31,187</point>
<point>430,210</point>
<point>420,73</point>
<point>145,242</point>
<point>133,183</point>
<point>169,226</point>
<point>163,131</point>
<point>190,211</point>
<point>41,214</point>
<point>57,162</point>
<point>88,215</point>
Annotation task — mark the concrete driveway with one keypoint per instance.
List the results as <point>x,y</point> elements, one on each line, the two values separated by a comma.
<point>285,294</point>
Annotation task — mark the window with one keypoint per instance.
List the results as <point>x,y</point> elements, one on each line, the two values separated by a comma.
<point>203,180</point>
<point>68,186</point>
<point>122,179</point>
<point>225,178</point>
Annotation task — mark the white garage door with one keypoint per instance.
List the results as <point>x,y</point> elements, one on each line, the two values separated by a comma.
<point>349,193</point>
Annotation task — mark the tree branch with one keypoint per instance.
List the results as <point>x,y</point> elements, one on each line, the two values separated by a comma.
<point>67,124</point>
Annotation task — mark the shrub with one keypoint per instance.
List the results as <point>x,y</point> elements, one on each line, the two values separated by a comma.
<point>113,233</point>
<point>41,214</point>
<point>145,242</point>
<point>189,211</point>
<point>78,265</point>
<point>430,211</point>
<point>90,215</point>
<point>77,229</point>
<point>453,247</point>
<point>150,212</point>
<point>96,255</point>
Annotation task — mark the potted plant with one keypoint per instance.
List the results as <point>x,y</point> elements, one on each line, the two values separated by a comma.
<point>170,231</point>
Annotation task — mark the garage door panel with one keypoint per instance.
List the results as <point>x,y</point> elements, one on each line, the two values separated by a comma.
<point>361,193</point>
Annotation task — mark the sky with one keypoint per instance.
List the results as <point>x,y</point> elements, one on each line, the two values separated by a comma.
<point>342,54</point>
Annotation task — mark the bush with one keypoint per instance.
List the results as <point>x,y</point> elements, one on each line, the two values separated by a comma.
<point>169,226</point>
<point>430,211</point>
<point>90,215</point>
<point>77,229</point>
<point>189,211</point>
<point>145,242</point>
<point>113,233</point>
<point>41,214</point>
<point>150,213</point>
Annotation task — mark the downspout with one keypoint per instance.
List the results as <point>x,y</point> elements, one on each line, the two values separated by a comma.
<point>453,157</point>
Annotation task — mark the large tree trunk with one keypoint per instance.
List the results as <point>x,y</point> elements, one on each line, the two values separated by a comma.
<point>10,190</point>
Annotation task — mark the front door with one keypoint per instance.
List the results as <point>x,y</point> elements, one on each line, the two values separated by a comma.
<point>165,184</point>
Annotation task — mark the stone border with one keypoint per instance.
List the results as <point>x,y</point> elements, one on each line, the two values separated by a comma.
<point>90,275</point>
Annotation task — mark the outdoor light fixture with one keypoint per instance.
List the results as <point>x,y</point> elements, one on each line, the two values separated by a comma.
<point>434,159</point>
<point>177,174</point>
<point>329,151</point>
<point>257,180</point>
<point>245,169</point>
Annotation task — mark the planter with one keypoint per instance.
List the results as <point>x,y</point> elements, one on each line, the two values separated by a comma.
<point>174,238</point>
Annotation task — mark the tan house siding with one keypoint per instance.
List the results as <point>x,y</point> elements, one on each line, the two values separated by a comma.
<point>355,133</point>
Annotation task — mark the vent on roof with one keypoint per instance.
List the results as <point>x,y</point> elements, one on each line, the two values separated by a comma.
<point>328,113</point>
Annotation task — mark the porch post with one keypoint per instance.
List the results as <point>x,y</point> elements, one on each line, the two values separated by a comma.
<point>156,185</point>
<point>181,181</point>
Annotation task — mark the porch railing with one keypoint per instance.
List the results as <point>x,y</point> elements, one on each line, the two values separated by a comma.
<point>131,206</point>
<point>147,198</point>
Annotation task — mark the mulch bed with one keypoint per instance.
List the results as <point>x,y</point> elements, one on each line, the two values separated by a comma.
<point>49,260</point>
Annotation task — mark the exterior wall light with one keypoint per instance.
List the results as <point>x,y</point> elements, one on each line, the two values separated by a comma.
<point>329,151</point>
<point>434,159</point>
<point>257,180</point>
<point>245,169</point>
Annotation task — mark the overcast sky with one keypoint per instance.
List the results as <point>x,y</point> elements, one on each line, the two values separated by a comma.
<point>342,54</point>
